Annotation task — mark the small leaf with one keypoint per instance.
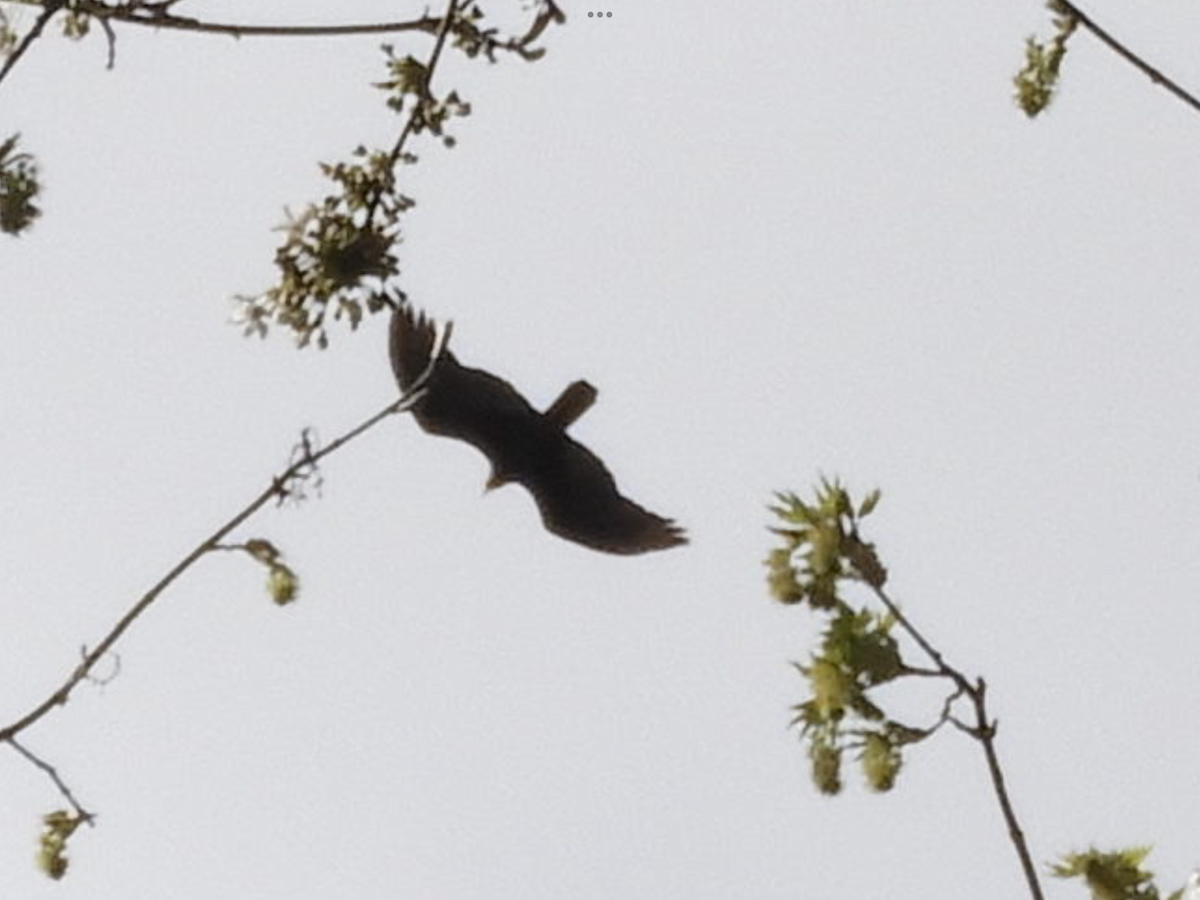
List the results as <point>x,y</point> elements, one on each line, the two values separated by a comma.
<point>826,768</point>
<point>880,762</point>
<point>262,550</point>
<point>869,503</point>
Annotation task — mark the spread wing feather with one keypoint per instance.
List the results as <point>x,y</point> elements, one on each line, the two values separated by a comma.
<point>463,403</point>
<point>578,500</point>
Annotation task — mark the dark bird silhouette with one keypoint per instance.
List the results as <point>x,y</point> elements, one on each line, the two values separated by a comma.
<point>575,493</point>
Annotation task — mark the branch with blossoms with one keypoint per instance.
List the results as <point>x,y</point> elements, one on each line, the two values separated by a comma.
<point>1037,81</point>
<point>343,245</point>
<point>283,586</point>
<point>332,246</point>
<point>823,557</point>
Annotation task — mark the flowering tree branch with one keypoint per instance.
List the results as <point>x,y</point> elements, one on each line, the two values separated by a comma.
<point>290,482</point>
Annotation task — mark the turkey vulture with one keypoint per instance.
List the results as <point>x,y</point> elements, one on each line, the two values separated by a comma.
<point>575,493</point>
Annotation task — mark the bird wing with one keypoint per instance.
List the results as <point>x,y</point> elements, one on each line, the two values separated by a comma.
<point>578,500</point>
<point>410,342</point>
<point>460,402</point>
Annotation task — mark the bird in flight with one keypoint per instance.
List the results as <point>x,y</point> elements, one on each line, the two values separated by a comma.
<point>574,491</point>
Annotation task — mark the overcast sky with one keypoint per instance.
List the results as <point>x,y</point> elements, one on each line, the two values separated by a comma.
<point>783,240</point>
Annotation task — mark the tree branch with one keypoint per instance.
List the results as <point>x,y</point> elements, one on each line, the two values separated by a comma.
<point>49,8</point>
<point>52,773</point>
<point>1128,55</point>
<point>157,15</point>
<point>60,696</point>
<point>903,621</point>
<point>398,147</point>
<point>278,488</point>
<point>983,731</point>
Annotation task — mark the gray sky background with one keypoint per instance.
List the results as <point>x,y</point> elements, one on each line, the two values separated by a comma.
<point>783,240</point>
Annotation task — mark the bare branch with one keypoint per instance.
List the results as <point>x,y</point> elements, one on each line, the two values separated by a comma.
<point>903,621</point>
<point>983,731</point>
<point>111,37</point>
<point>49,8</point>
<point>54,776</point>
<point>277,488</point>
<point>158,15</point>
<point>60,696</point>
<point>1128,55</point>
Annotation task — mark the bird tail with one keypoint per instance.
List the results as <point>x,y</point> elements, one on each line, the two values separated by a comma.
<point>576,399</point>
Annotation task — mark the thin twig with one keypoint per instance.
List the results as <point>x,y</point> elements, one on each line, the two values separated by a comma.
<point>160,18</point>
<point>930,651</point>
<point>919,672</point>
<point>410,124</point>
<point>983,731</point>
<point>111,37</point>
<point>82,813</point>
<point>277,488</point>
<point>1128,55</point>
<point>60,696</point>
<point>49,8</point>
<point>443,30</point>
